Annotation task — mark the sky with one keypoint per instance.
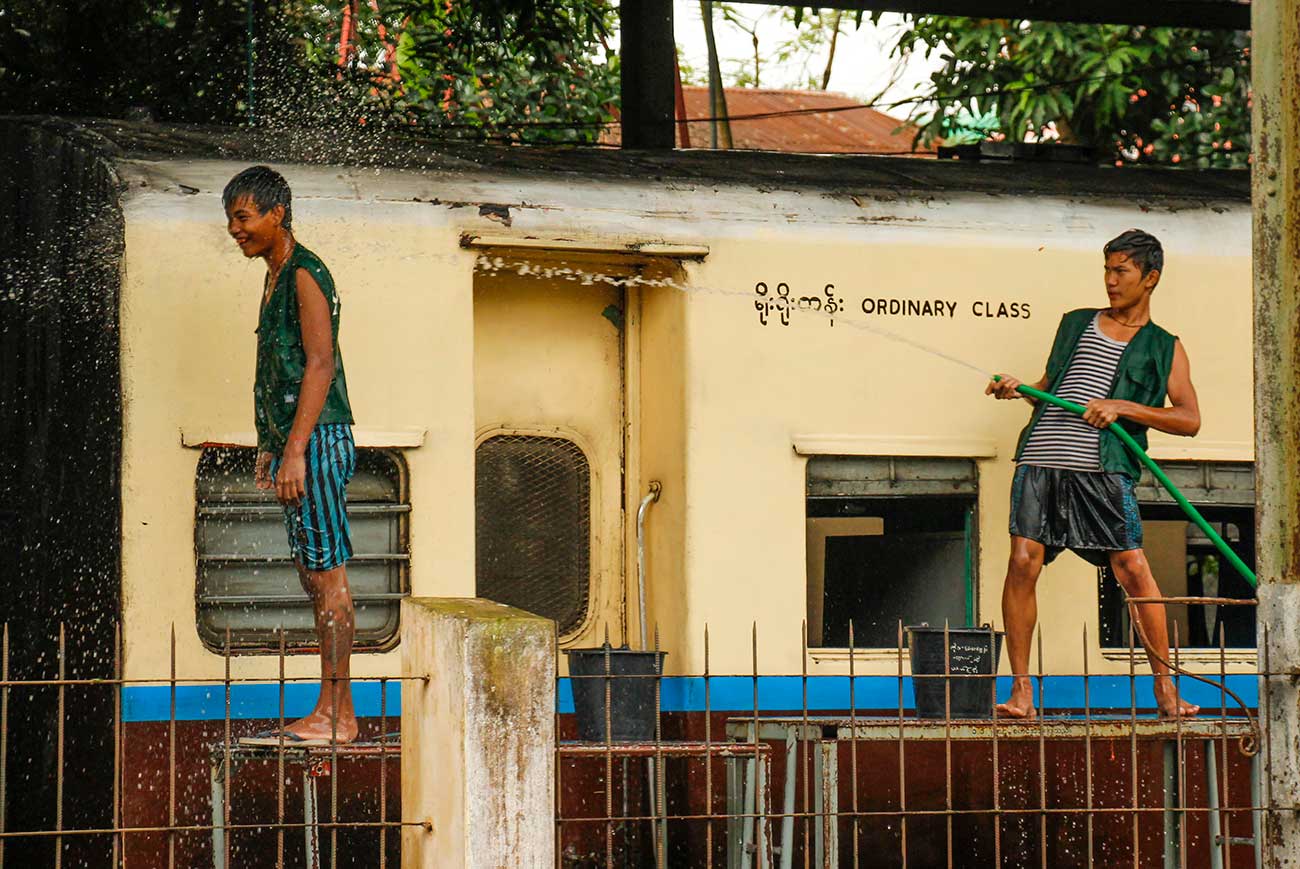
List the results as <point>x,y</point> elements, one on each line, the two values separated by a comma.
<point>863,66</point>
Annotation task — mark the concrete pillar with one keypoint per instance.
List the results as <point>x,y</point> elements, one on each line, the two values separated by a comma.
<point>478,738</point>
<point>1276,195</point>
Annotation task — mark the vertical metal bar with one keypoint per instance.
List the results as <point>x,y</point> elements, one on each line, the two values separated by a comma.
<point>334,742</point>
<point>1217,842</point>
<point>1042,756</point>
<point>751,821</point>
<point>225,760</point>
<point>4,735</point>
<point>997,774</point>
<point>708,754</point>
<point>853,734</point>
<point>383,773</point>
<point>1132,738</point>
<point>558,797</point>
<point>609,765</point>
<point>1226,832</point>
<point>171,754</point>
<point>1087,742</point>
<point>58,774</point>
<point>118,843</point>
<point>661,806</point>
<point>1182,772</point>
<point>1170,815</point>
<point>279,766</point>
<point>792,745</point>
<point>1256,816</point>
<point>902,758</point>
<point>947,741</point>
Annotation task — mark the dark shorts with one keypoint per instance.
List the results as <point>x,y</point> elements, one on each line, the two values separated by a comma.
<point>1093,513</point>
<point>319,537</point>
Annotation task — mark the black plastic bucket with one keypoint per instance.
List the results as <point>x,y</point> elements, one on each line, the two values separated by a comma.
<point>632,679</point>
<point>972,652</point>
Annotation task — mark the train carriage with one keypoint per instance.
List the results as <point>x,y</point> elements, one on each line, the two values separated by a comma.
<point>790,347</point>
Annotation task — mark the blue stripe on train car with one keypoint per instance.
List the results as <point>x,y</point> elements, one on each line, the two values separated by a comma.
<point>249,700</point>
<point>786,693</point>
<point>678,694</point>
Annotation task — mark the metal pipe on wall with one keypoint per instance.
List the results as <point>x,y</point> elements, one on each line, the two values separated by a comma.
<point>656,489</point>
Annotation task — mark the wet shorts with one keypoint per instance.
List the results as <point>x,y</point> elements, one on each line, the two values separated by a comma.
<point>318,524</point>
<point>1093,513</point>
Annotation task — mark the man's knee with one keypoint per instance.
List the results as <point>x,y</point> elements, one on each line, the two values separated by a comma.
<point>1128,565</point>
<point>1026,562</point>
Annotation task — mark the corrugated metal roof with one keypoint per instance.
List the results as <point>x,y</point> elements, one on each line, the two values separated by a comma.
<point>795,121</point>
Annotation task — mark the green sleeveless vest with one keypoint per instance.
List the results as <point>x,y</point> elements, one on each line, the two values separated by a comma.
<point>1141,377</point>
<point>281,358</point>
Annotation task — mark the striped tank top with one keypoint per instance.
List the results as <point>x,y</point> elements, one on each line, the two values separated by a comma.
<point>1061,439</point>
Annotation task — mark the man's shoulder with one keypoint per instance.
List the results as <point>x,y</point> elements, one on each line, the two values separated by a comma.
<point>307,259</point>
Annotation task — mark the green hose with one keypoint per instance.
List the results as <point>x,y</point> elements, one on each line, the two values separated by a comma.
<point>1192,512</point>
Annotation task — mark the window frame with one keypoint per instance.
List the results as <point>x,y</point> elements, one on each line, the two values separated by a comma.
<point>871,491</point>
<point>1146,487</point>
<point>401,509</point>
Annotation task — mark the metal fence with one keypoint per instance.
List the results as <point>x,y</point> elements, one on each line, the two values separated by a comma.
<point>814,770</point>
<point>214,825</point>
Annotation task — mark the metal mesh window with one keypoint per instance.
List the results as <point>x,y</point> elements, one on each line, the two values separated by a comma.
<point>533,525</point>
<point>247,581</point>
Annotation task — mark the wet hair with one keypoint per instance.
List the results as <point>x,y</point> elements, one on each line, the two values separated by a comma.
<point>265,186</point>
<point>1142,248</point>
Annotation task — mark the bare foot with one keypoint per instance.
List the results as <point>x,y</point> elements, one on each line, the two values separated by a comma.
<point>1169,703</point>
<point>1179,708</point>
<point>318,725</point>
<point>1020,705</point>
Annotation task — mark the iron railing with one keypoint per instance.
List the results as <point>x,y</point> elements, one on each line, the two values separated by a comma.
<point>817,771</point>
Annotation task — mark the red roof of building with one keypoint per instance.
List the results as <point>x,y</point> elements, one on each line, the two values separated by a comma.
<point>793,123</point>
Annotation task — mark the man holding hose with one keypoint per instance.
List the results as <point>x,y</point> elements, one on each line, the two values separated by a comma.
<point>1074,482</point>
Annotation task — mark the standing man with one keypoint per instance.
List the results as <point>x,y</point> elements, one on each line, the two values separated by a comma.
<point>1074,482</point>
<point>304,435</point>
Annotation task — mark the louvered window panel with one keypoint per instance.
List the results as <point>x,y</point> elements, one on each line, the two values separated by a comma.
<point>533,525</point>
<point>246,580</point>
<point>889,476</point>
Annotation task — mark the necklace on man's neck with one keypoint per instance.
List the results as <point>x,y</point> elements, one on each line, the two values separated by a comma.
<point>1110,312</point>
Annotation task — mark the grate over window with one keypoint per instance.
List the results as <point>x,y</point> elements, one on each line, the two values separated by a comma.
<point>533,525</point>
<point>246,580</point>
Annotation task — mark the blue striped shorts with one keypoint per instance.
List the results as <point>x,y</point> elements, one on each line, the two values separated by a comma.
<point>319,538</point>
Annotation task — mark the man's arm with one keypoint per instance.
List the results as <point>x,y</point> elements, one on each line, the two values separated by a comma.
<point>318,344</point>
<point>1183,417</point>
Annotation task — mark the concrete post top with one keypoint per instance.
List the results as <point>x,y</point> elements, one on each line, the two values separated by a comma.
<point>469,609</point>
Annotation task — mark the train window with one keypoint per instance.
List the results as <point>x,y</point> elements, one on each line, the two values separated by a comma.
<point>1186,563</point>
<point>533,525</point>
<point>247,582</point>
<point>888,539</point>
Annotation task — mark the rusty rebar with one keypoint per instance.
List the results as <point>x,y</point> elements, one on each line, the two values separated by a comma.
<point>279,763</point>
<point>118,844</point>
<point>609,764</point>
<point>59,749</point>
<point>902,757</point>
<point>708,754</point>
<point>1087,743</point>
<point>225,759</point>
<point>383,774</point>
<point>4,737</point>
<point>853,729</point>
<point>171,755</point>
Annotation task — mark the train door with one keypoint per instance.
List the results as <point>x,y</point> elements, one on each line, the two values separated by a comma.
<point>549,365</point>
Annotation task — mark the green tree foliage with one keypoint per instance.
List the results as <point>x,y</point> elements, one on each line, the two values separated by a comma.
<point>514,70</point>
<point>1139,94</point>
